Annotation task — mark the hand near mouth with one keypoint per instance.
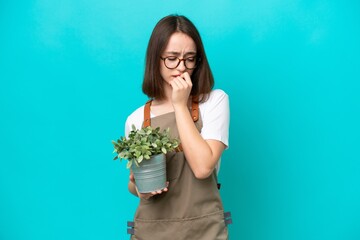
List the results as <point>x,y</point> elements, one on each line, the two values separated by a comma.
<point>181,88</point>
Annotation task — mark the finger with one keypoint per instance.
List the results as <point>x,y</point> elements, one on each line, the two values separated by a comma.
<point>187,78</point>
<point>131,176</point>
<point>183,81</point>
<point>173,84</point>
<point>185,75</point>
<point>145,195</point>
<point>132,179</point>
<point>176,83</point>
<point>180,83</point>
<point>165,189</point>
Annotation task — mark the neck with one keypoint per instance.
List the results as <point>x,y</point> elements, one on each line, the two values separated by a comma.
<point>167,97</point>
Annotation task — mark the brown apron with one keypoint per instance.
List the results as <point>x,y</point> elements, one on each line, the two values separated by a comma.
<point>191,209</point>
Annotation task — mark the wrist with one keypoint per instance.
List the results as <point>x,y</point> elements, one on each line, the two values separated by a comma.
<point>180,107</point>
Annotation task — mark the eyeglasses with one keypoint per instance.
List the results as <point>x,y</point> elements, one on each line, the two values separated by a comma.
<point>173,62</point>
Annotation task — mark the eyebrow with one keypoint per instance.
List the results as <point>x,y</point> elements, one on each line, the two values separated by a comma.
<point>178,53</point>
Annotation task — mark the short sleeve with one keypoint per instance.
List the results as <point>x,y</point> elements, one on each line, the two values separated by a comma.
<point>127,127</point>
<point>215,115</point>
<point>136,119</point>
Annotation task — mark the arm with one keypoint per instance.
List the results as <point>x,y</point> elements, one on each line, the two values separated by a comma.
<point>202,155</point>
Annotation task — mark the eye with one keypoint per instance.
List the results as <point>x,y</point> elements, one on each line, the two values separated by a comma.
<point>171,58</point>
<point>190,59</point>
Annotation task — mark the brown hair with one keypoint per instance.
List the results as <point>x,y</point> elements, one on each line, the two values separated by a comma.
<point>202,78</point>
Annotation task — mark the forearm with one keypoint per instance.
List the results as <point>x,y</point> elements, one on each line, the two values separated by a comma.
<point>198,152</point>
<point>132,189</point>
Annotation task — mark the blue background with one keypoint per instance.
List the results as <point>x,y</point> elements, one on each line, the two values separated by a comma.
<point>71,71</point>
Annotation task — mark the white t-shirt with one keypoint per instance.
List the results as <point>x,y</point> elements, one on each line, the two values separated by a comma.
<point>215,115</point>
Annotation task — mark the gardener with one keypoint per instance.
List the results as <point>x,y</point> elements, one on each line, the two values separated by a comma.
<point>179,82</point>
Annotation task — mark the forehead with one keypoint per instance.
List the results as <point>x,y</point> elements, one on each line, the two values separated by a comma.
<point>180,42</point>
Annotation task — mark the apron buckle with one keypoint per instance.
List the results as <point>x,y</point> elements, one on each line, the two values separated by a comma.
<point>130,227</point>
<point>227,218</point>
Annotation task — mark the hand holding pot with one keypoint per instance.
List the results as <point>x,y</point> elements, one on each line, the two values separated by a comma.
<point>146,196</point>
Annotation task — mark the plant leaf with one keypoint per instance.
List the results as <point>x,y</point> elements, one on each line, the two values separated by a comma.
<point>128,165</point>
<point>163,150</point>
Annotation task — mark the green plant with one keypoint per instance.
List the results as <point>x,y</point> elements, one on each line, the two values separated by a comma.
<point>143,143</point>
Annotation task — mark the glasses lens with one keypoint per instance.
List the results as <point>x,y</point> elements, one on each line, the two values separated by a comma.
<point>190,63</point>
<point>171,62</point>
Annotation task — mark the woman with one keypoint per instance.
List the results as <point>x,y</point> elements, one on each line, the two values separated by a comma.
<point>179,81</point>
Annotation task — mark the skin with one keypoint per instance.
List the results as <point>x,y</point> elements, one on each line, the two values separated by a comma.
<point>201,155</point>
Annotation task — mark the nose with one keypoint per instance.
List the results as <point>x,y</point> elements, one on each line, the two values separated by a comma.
<point>181,67</point>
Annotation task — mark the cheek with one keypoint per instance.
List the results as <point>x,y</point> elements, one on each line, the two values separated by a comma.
<point>164,72</point>
<point>190,72</point>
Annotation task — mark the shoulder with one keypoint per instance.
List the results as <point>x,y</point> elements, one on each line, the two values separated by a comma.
<point>138,112</point>
<point>217,94</point>
<point>215,114</point>
<point>215,97</point>
<point>136,117</point>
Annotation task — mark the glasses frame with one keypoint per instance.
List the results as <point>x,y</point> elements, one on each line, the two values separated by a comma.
<point>197,60</point>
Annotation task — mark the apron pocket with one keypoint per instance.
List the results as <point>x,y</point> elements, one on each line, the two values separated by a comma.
<point>211,226</point>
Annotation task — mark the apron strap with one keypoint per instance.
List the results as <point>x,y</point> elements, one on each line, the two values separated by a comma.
<point>147,121</point>
<point>194,114</point>
<point>195,108</point>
